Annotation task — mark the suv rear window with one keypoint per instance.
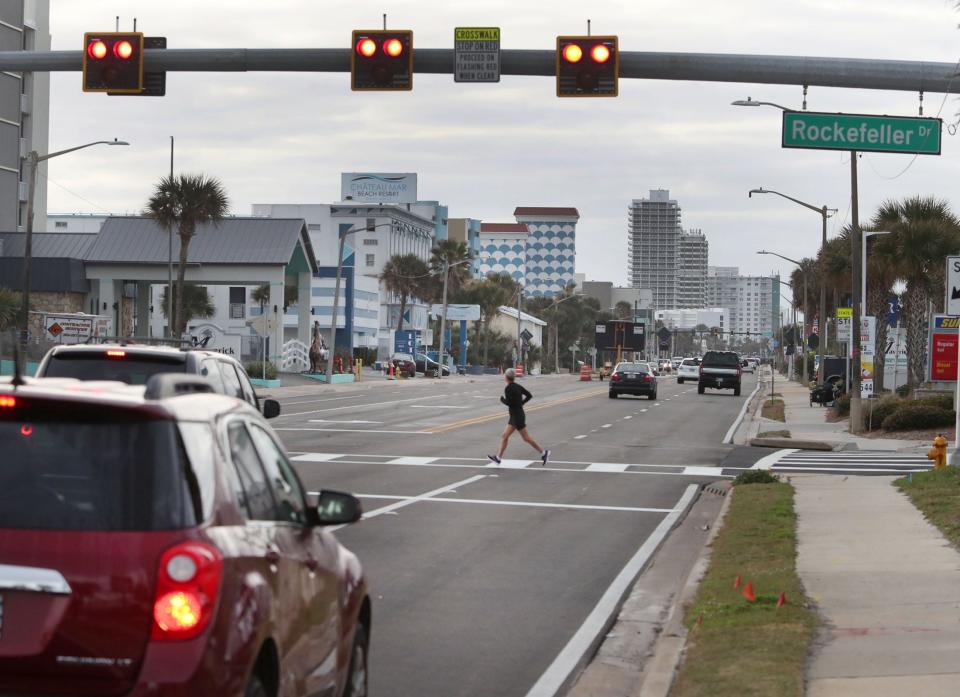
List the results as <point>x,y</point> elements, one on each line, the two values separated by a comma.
<point>719,358</point>
<point>105,475</point>
<point>130,368</point>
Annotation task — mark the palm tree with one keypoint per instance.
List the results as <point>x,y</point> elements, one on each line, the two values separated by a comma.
<point>9,306</point>
<point>923,232</point>
<point>196,302</point>
<point>623,310</point>
<point>454,254</point>
<point>183,203</point>
<point>261,295</point>
<point>404,275</point>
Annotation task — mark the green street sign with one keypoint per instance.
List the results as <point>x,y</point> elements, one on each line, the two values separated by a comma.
<point>898,134</point>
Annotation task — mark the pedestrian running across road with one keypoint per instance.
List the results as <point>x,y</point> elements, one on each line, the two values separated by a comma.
<point>515,396</point>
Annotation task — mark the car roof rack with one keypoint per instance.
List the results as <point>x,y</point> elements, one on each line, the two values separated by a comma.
<point>175,384</point>
<point>135,340</point>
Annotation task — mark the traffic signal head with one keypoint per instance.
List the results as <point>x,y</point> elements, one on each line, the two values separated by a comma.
<point>113,62</point>
<point>587,66</point>
<point>381,60</point>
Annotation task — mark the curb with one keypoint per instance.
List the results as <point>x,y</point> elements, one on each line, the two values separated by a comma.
<point>735,426</point>
<point>561,673</point>
<point>791,443</point>
<point>670,647</point>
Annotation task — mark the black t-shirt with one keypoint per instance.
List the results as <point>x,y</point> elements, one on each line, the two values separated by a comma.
<point>515,396</point>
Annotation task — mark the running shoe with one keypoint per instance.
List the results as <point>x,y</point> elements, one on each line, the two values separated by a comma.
<point>494,459</point>
<point>544,458</point>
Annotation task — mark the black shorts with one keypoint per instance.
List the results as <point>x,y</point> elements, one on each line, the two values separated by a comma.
<point>518,420</point>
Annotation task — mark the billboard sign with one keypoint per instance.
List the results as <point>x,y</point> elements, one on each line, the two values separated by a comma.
<point>211,337</point>
<point>456,312</point>
<point>405,341</point>
<point>943,348</point>
<point>616,335</point>
<point>868,341</point>
<point>75,328</point>
<point>378,187</point>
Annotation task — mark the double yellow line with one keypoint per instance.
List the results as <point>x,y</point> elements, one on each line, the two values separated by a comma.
<point>494,417</point>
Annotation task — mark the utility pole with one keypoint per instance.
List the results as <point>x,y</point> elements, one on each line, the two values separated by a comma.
<point>443,317</point>
<point>519,338</point>
<point>856,405</point>
<point>170,303</point>
<point>821,345</point>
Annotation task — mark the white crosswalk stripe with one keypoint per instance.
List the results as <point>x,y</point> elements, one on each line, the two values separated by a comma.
<point>553,466</point>
<point>875,462</point>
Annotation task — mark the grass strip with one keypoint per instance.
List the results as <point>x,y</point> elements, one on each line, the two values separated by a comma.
<point>773,409</point>
<point>774,434</point>
<point>937,494</point>
<point>742,648</point>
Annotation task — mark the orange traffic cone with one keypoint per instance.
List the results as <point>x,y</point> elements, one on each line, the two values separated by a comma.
<point>748,592</point>
<point>736,582</point>
<point>782,600</point>
<point>700,619</point>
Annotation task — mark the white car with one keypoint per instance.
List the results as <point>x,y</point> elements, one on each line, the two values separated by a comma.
<point>689,370</point>
<point>747,366</point>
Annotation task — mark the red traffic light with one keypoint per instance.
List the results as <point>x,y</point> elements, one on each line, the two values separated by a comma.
<point>393,47</point>
<point>97,49</point>
<point>600,53</point>
<point>366,47</point>
<point>123,49</point>
<point>572,53</point>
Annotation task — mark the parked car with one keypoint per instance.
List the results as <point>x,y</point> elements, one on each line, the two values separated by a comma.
<point>633,379</point>
<point>157,541</point>
<point>689,370</point>
<point>425,363</point>
<point>720,370</point>
<point>404,363</point>
<point>135,364</point>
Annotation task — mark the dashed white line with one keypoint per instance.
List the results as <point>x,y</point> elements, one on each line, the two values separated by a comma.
<point>606,426</point>
<point>627,417</point>
<point>579,437</point>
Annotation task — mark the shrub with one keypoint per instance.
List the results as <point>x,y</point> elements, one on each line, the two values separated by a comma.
<point>918,416</point>
<point>940,401</point>
<point>903,390</point>
<point>258,370</point>
<point>842,406</point>
<point>880,409</point>
<point>755,477</point>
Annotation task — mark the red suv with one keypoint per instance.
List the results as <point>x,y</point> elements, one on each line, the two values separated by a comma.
<point>156,541</point>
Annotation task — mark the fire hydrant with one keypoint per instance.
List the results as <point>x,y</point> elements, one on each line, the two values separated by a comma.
<point>938,453</point>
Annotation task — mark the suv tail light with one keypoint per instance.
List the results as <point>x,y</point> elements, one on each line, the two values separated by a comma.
<point>188,582</point>
<point>648,378</point>
<point>615,377</point>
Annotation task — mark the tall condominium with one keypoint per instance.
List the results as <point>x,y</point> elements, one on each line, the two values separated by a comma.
<point>662,257</point>
<point>752,301</point>
<point>551,248</point>
<point>692,269</point>
<point>25,106</point>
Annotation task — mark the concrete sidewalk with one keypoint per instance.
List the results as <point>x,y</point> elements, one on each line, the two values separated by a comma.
<point>887,584</point>
<point>809,423</point>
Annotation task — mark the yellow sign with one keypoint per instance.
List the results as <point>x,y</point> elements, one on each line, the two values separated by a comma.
<point>844,313</point>
<point>476,34</point>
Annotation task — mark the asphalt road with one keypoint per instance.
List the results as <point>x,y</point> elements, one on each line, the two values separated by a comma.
<point>481,575</point>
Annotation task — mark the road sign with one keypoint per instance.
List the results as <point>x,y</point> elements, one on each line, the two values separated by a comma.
<point>526,335</point>
<point>953,286</point>
<point>476,52</point>
<point>844,326</point>
<point>844,313</point>
<point>899,134</point>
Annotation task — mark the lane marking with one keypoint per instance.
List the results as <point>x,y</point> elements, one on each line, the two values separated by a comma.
<point>354,430</point>
<point>582,644</point>
<point>316,457</point>
<point>625,418</point>
<point>852,470</point>
<point>390,508</point>
<point>499,415</point>
<point>365,405</point>
<point>314,401</point>
<point>436,406</point>
<point>575,437</point>
<point>641,411</point>
<point>524,504</point>
<point>352,421</point>
<point>606,426</point>
<point>607,467</point>
<point>768,461</point>
<point>411,461</point>
<point>696,471</point>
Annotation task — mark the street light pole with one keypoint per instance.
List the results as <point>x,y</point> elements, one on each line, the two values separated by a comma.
<point>443,315</point>
<point>856,411</point>
<point>803,365</point>
<point>35,160</point>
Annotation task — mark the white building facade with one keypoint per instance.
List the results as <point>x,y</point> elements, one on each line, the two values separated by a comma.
<point>551,249</point>
<point>752,301</point>
<point>503,249</point>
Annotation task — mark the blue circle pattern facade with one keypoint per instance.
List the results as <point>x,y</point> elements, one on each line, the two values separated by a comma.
<point>545,266</point>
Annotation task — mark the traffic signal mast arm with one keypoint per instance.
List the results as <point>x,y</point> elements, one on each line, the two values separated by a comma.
<point>910,76</point>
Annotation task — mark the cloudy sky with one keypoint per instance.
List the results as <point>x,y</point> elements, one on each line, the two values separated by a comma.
<point>484,149</point>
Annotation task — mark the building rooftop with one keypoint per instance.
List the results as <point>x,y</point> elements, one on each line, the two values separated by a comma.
<point>512,312</point>
<point>504,227</point>
<point>547,211</point>
<point>48,245</point>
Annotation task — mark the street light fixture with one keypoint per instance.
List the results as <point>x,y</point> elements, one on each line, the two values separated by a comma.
<point>35,159</point>
<point>822,312</point>
<point>443,317</point>
<point>752,102</point>
<point>803,339</point>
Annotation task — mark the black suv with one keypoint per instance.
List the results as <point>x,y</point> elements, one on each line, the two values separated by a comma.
<point>135,364</point>
<point>720,370</point>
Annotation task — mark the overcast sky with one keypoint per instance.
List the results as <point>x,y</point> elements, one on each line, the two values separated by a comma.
<point>484,149</point>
